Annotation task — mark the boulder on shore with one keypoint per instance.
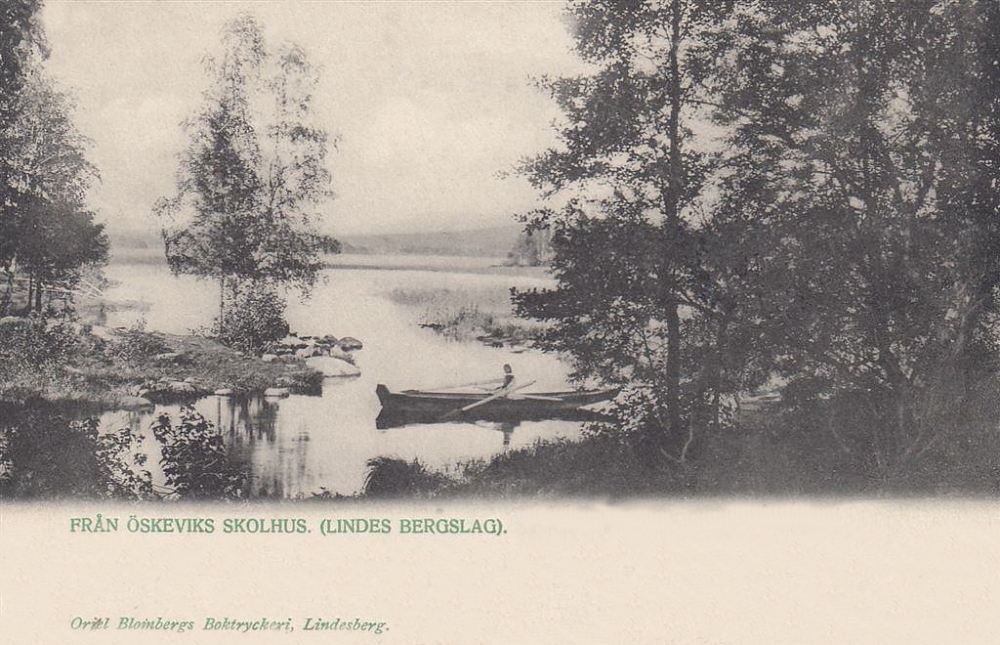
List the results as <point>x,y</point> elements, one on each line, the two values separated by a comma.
<point>134,402</point>
<point>181,387</point>
<point>277,391</point>
<point>349,344</point>
<point>292,341</point>
<point>336,352</point>
<point>331,366</point>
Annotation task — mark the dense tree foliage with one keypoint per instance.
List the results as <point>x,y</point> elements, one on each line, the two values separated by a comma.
<point>21,46</point>
<point>860,147</point>
<point>56,234</point>
<point>628,244</point>
<point>253,176</point>
<point>842,242</point>
<point>47,232</point>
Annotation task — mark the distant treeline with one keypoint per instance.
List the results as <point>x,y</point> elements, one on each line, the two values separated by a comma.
<point>494,241</point>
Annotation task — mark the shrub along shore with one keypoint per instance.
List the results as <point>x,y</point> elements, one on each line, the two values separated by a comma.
<point>481,315</point>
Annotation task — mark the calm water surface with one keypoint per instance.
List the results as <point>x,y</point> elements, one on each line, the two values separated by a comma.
<point>304,444</point>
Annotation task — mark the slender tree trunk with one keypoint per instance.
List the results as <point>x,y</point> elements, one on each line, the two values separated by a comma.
<point>38,295</point>
<point>672,221</point>
<point>222,302</point>
<point>31,292</point>
<point>721,347</point>
<point>8,293</point>
<point>986,245</point>
<point>673,370</point>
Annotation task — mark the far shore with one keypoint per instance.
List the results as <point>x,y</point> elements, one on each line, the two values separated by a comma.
<point>374,262</point>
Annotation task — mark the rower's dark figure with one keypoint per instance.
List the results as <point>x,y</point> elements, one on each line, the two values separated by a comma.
<point>508,377</point>
<point>495,384</point>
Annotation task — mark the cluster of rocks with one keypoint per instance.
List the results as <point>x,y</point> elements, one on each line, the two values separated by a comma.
<point>328,354</point>
<point>518,342</point>
<point>310,346</point>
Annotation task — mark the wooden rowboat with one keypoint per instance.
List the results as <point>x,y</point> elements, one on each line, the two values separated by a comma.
<point>415,406</point>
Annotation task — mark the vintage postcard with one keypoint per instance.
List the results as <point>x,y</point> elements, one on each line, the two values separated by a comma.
<point>499,322</point>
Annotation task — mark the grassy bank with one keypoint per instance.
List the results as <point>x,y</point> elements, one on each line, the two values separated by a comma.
<point>469,314</point>
<point>114,368</point>
<point>210,365</point>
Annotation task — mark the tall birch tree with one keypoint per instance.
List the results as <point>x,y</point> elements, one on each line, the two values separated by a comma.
<point>253,179</point>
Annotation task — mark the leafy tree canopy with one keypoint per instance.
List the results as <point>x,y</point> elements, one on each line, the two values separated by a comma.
<point>253,179</point>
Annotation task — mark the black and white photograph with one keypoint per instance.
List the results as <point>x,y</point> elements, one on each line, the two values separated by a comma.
<point>582,321</point>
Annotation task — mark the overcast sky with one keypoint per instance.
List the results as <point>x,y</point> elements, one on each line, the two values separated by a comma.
<point>431,99</point>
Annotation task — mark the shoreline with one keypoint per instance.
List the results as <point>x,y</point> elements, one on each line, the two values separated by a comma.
<point>130,369</point>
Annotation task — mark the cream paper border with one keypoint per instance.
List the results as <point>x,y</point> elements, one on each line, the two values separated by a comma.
<point>699,572</point>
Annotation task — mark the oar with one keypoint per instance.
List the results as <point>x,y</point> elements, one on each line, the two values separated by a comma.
<point>501,393</point>
<point>452,387</point>
<point>537,397</point>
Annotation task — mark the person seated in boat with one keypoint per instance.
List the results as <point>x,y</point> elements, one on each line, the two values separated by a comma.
<point>505,383</point>
<point>508,377</point>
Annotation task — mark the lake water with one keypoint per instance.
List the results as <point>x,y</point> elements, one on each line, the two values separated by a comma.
<point>302,445</point>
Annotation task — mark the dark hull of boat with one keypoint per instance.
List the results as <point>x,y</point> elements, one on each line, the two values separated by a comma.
<point>412,406</point>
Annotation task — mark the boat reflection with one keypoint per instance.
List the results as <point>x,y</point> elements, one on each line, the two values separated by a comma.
<point>395,419</point>
<point>506,428</point>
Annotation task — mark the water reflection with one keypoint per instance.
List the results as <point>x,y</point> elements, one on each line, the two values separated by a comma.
<point>301,445</point>
<point>286,454</point>
<point>270,449</point>
<point>507,429</point>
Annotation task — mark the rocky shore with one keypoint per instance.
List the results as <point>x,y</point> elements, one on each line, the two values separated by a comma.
<point>294,364</point>
<point>131,368</point>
